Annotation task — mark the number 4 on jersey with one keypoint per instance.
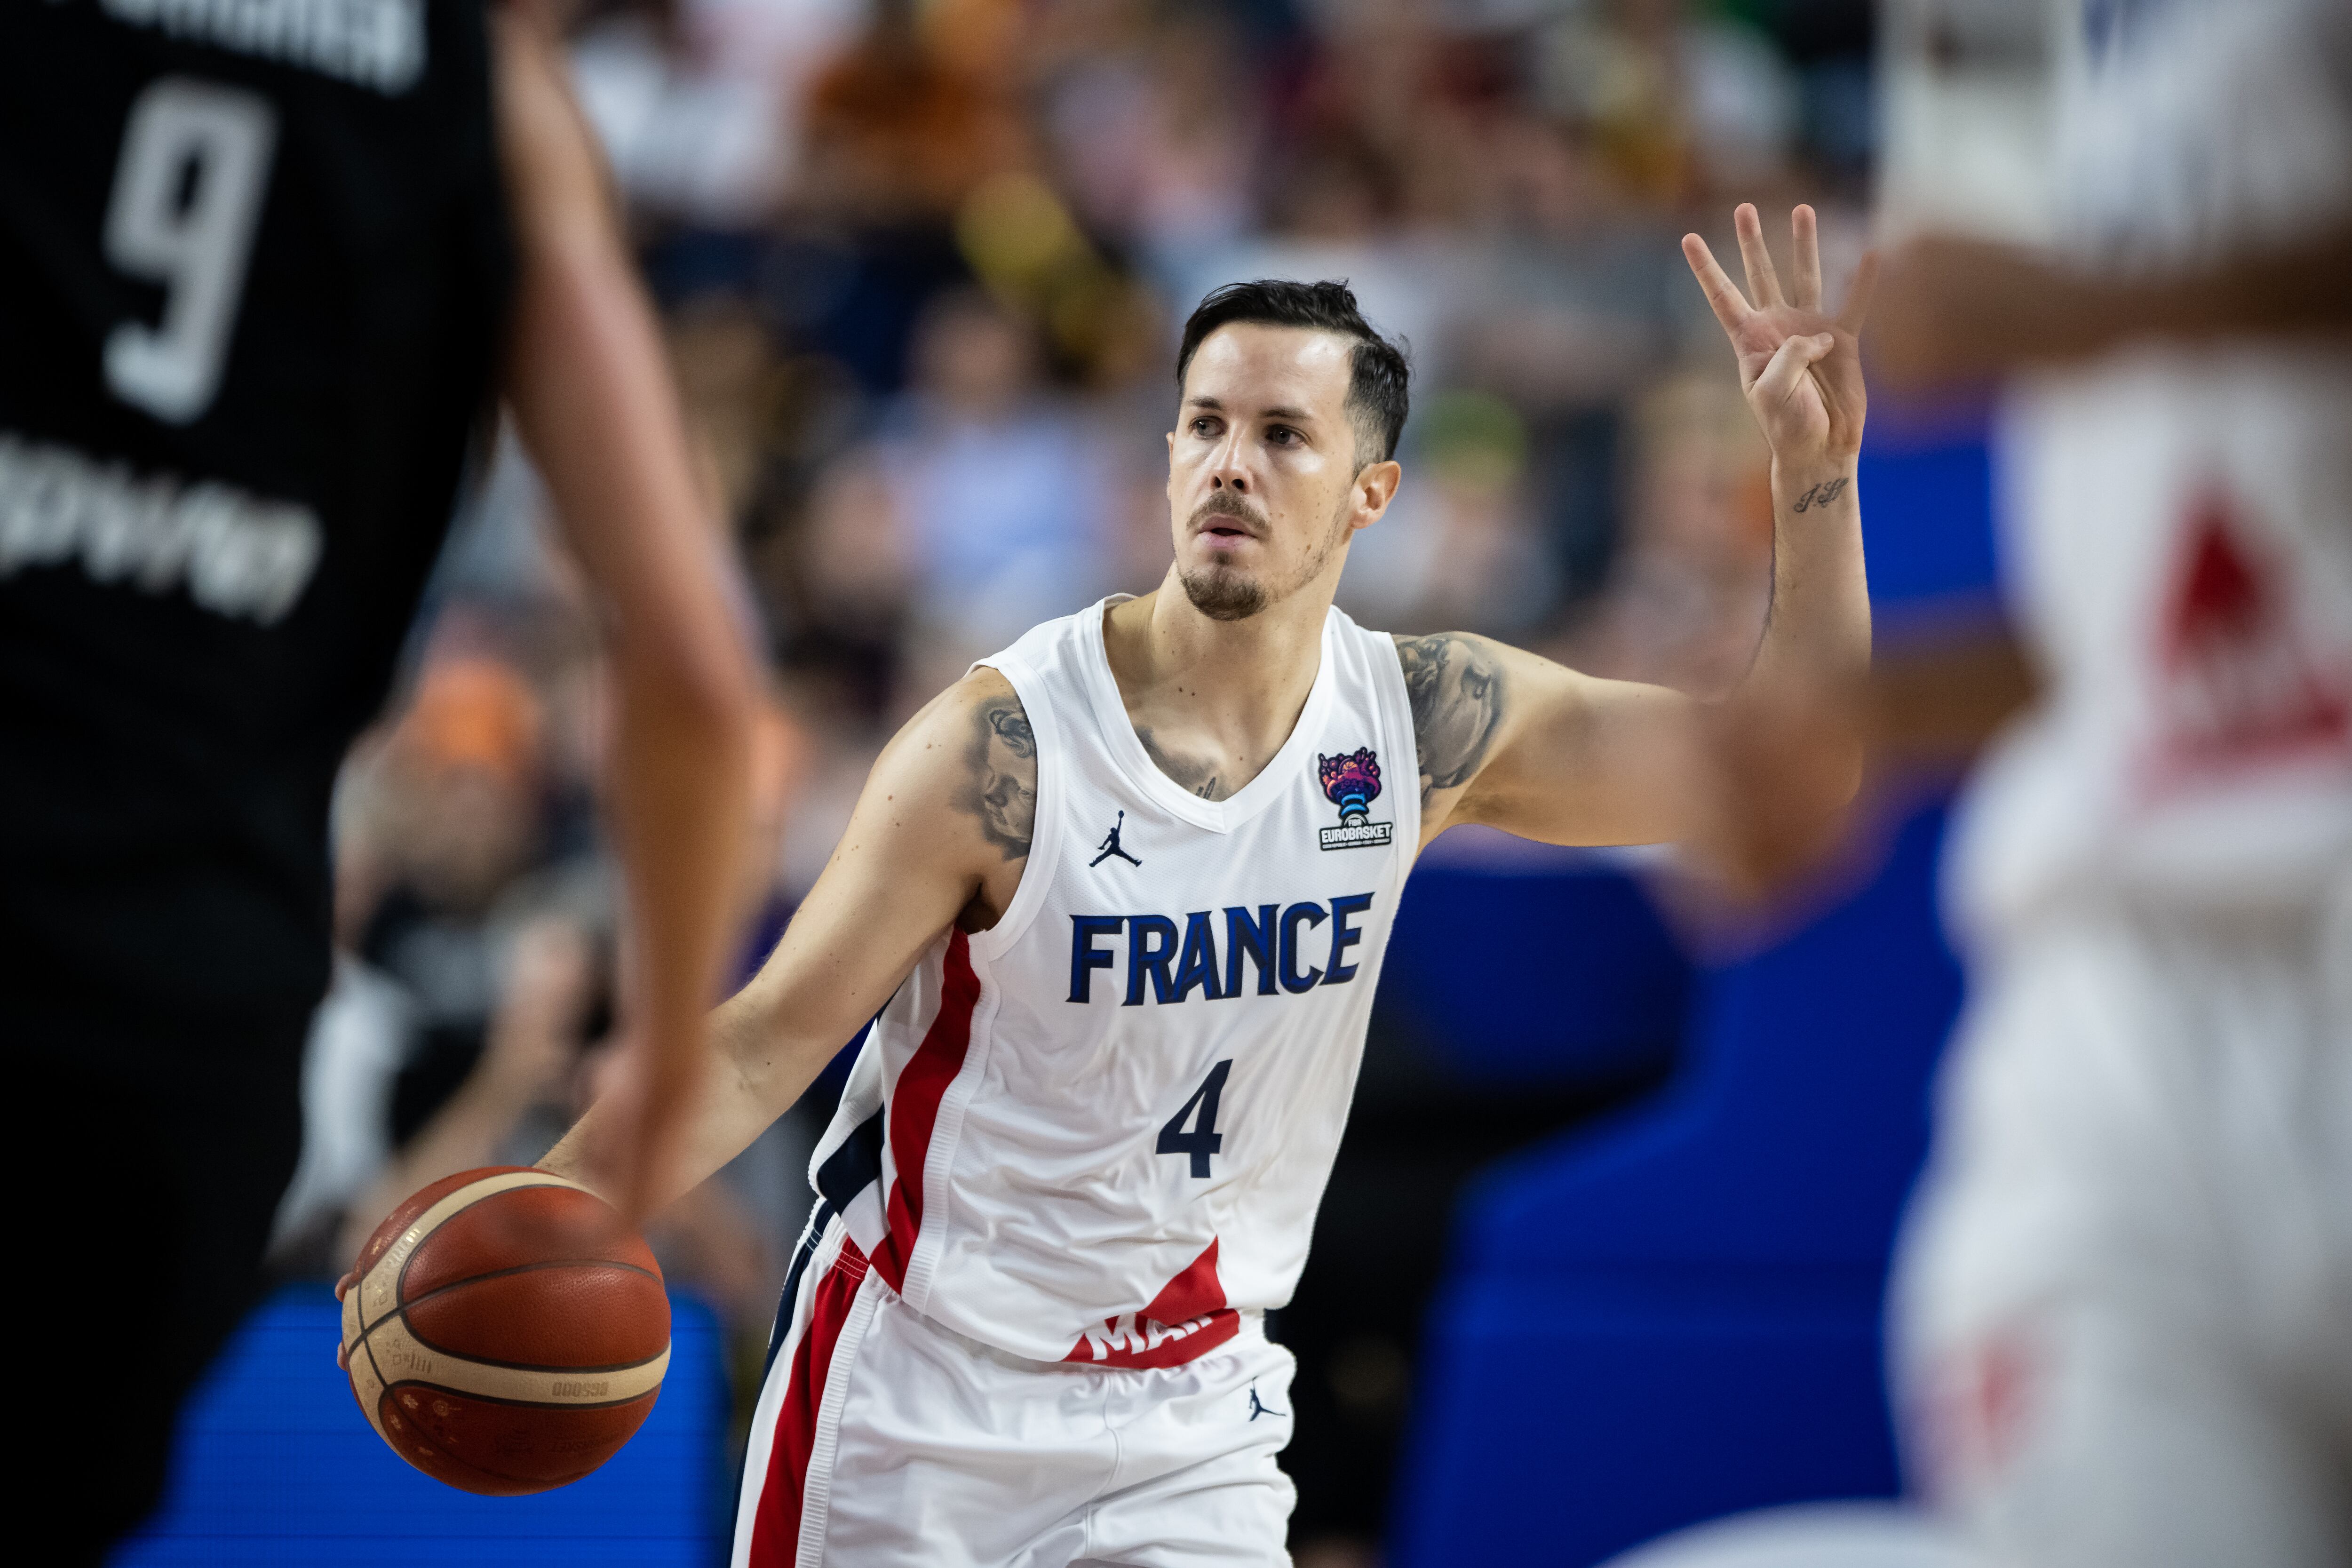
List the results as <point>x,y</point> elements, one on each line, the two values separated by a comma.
<point>1204,1139</point>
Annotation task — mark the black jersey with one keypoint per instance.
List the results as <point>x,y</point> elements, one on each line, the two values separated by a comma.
<point>253,272</point>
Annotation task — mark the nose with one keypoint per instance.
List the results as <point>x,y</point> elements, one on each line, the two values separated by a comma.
<point>1225,468</point>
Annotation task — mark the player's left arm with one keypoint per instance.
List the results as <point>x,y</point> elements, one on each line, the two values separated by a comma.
<point>1519,743</point>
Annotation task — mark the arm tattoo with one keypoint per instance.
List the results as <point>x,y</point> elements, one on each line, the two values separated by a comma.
<point>1201,778</point>
<point>1821,494</point>
<point>1003,761</point>
<point>1457,688</point>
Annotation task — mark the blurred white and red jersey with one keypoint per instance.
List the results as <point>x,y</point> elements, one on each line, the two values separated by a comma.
<point>2125,1308</point>
<point>2176,518</point>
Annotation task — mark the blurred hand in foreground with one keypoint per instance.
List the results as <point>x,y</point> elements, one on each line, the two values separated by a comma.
<point>1956,310</point>
<point>1952,310</point>
<point>1925,709</point>
<point>1769,828</point>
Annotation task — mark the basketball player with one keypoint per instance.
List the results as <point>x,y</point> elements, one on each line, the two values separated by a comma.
<point>1115,904</point>
<point>2127,1295</point>
<point>262,270</point>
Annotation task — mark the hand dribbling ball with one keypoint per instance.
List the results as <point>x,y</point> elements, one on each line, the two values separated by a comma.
<point>506,1334</point>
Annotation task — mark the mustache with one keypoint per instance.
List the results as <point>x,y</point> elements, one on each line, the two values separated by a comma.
<point>1225,503</point>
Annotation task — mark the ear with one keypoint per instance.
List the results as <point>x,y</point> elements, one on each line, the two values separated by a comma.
<point>1373,490</point>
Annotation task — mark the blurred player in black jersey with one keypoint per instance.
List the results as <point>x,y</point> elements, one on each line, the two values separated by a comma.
<point>264,271</point>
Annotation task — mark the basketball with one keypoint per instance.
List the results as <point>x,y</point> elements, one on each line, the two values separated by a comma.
<point>506,1335</point>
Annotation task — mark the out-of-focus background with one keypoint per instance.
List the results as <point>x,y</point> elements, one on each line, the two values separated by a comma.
<point>1606,1248</point>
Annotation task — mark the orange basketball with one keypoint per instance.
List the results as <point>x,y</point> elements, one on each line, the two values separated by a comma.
<point>506,1334</point>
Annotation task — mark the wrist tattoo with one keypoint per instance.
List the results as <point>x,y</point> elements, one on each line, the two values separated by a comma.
<point>1455,687</point>
<point>1822,494</point>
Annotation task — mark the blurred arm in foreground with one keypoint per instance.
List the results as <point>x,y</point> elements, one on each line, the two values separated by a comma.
<point>1956,310</point>
<point>592,394</point>
<point>1930,701</point>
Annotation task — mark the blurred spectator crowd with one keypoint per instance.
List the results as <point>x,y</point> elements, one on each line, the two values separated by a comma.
<point>923,264</point>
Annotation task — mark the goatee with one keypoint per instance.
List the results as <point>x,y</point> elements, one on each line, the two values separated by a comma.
<point>1222,594</point>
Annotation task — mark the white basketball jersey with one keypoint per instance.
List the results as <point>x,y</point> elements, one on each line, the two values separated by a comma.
<point>1098,1131</point>
<point>2177,516</point>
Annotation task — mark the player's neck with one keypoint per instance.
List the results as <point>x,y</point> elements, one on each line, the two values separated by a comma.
<point>1224,696</point>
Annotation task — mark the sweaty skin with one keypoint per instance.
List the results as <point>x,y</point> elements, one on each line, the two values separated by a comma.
<point>1269,480</point>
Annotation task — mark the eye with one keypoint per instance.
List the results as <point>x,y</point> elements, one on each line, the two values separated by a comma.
<point>1284,436</point>
<point>1204,428</point>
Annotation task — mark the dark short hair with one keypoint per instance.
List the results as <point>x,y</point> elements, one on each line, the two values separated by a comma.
<point>1377,393</point>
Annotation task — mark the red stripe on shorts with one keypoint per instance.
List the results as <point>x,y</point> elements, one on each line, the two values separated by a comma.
<point>915,1107</point>
<point>776,1526</point>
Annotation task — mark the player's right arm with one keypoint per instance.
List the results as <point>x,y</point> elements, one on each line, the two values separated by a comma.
<point>940,836</point>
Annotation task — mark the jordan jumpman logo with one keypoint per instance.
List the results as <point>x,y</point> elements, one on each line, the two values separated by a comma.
<point>1110,846</point>
<point>1257,1408</point>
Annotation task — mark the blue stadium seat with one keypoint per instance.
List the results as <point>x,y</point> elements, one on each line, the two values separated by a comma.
<point>1486,950</point>
<point>1925,480</point>
<point>275,1464</point>
<point>1676,1316</point>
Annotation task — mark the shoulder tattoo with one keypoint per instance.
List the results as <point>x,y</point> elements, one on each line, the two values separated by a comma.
<point>1002,788</point>
<point>1455,685</point>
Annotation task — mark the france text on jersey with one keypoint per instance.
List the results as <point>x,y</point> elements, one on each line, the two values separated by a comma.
<point>1276,943</point>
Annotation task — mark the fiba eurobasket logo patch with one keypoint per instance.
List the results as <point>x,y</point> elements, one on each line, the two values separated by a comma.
<point>1352,782</point>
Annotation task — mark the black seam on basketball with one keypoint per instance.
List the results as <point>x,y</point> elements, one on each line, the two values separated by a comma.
<point>400,1284</point>
<point>407,1302</point>
<point>510,1365</point>
<point>401,1278</point>
<point>527,1404</point>
<point>401,1309</point>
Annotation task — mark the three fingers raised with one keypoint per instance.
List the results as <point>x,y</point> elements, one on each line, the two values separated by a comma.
<point>1731,307</point>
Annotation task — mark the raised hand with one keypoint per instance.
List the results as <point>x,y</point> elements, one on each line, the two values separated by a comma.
<point>1801,370</point>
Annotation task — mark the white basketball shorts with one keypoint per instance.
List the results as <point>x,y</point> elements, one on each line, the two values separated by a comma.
<point>883,1440</point>
<point>2124,1308</point>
